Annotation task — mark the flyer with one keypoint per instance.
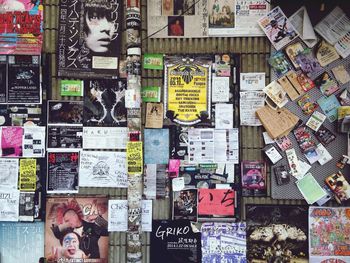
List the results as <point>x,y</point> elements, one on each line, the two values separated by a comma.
<point>329,106</point>
<point>26,206</point>
<point>89,46</point>
<point>62,171</point>
<point>117,215</point>
<point>34,141</point>
<point>105,137</point>
<point>11,141</point>
<point>27,175</point>
<point>9,173</point>
<point>146,216</point>
<point>187,90</point>
<point>64,136</point>
<point>150,181</point>
<point>21,31</point>
<point>310,189</point>
<point>22,242</point>
<point>250,101</point>
<point>64,112</point>
<point>252,81</point>
<point>86,239</point>
<point>153,61</point>
<point>201,145</point>
<point>24,85</point>
<point>278,28</point>
<point>223,116</point>
<point>9,204</point>
<point>156,146</point>
<point>154,115</point>
<point>236,18</point>
<point>150,94</point>
<point>223,242</point>
<point>104,103</point>
<point>277,233</point>
<point>103,169</point>
<point>185,205</point>
<point>328,228</point>
<point>220,89</point>
<point>253,174</point>
<point>174,241</point>
<point>134,157</point>
<point>186,18</point>
<point>218,202</point>
<point>326,84</point>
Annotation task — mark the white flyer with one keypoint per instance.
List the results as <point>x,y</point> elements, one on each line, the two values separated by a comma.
<point>178,184</point>
<point>302,23</point>
<point>223,116</point>
<point>105,137</point>
<point>325,156</point>
<point>103,169</point>
<point>117,215</point>
<point>201,145</point>
<point>252,81</point>
<point>9,204</point>
<point>226,147</point>
<point>220,89</point>
<point>9,173</point>
<point>150,181</point>
<point>33,141</point>
<point>146,216</point>
<point>250,102</point>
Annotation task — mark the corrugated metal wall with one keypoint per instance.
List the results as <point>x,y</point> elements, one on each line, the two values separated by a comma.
<point>254,53</point>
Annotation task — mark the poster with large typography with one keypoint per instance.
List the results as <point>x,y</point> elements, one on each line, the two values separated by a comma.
<point>21,27</point>
<point>187,90</point>
<point>89,38</point>
<point>76,229</point>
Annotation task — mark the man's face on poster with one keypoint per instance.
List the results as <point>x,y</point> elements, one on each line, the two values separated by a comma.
<point>72,219</point>
<point>101,32</point>
<point>71,243</point>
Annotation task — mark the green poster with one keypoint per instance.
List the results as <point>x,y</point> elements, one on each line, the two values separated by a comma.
<point>153,61</point>
<point>150,94</point>
<point>72,87</point>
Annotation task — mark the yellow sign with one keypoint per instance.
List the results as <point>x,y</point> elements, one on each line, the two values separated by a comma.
<point>187,87</point>
<point>134,157</point>
<point>27,174</point>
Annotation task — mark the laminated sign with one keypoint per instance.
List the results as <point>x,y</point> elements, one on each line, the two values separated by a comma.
<point>187,90</point>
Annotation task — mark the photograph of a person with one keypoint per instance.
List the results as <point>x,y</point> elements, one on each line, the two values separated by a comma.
<point>76,228</point>
<point>175,25</point>
<point>185,204</point>
<point>167,7</point>
<point>221,14</point>
<point>100,26</point>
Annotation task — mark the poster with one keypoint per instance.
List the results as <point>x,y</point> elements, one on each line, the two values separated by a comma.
<point>218,202</point>
<point>26,206</point>
<point>9,173</point>
<point>174,242</point>
<point>224,242</point>
<point>277,233</point>
<point>278,28</point>
<point>62,171</point>
<point>185,204</point>
<point>201,145</point>
<point>21,30</point>
<point>105,138</point>
<point>117,215</point>
<point>103,169</point>
<point>252,81</point>
<point>64,136</point>
<point>253,174</point>
<point>150,181</point>
<point>22,242</point>
<point>236,18</point>
<point>134,157</point>
<point>250,101</point>
<point>9,204</point>
<point>186,18</point>
<point>89,45</point>
<point>11,141</point>
<point>187,90</point>
<point>154,115</point>
<point>23,115</point>
<point>156,146</point>
<point>64,112</point>
<point>85,237</point>
<point>329,229</point>
<point>34,141</point>
<point>27,175</point>
<point>70,87</point>
<point>104,103</point>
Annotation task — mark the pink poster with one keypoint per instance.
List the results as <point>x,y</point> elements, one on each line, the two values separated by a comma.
<point>216,202</point>
<point>11,141</point>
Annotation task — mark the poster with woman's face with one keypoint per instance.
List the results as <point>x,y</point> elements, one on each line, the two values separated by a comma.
<point>89,38</point>
<point>76,229</point>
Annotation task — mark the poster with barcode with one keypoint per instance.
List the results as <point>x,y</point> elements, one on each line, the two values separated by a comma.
<point>89,38</point>
<point>62,171</point>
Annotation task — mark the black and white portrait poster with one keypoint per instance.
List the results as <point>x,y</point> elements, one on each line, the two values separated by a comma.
<point>89,38</point>
<point>23,82</point>
<point>104,103</point>
<point>103,169</point>
<point>62,171</point>
<point>175,242</point>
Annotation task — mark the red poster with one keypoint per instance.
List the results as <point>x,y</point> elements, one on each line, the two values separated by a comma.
<point>216,202</point>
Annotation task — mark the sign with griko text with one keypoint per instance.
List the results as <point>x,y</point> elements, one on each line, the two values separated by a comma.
<point>187,90</point>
